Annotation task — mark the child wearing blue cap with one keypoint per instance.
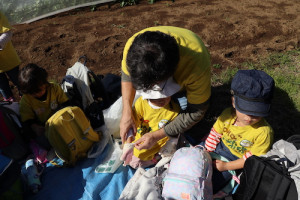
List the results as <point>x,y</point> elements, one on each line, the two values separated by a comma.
<point>242,131</point>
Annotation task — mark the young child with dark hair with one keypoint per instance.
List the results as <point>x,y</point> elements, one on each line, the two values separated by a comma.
<point>40,100</point>
<point>242,131</point>
<point>152,111</point>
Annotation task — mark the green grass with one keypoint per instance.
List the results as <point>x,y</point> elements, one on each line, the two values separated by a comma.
<point>217,66</point>
<point>118,25</point>
<point>156,23</point>
<point>285,70</point>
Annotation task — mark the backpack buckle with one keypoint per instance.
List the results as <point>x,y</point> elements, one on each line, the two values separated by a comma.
<point>71,145</point>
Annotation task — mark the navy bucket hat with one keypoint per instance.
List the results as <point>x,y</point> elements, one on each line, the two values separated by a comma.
<point>253,92</point>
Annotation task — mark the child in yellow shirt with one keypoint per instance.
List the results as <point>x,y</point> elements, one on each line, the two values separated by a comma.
<point>241,131</point>
<point>152,111</point>
<point>41,99</point>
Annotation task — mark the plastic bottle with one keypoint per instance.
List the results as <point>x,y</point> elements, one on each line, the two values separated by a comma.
<point>33,178</point>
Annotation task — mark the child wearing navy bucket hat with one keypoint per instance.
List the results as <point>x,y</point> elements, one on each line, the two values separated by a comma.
<point>242,131</point>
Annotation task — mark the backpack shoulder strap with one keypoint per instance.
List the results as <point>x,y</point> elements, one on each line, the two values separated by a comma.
<point>230,186</point>
<point>253,176</point>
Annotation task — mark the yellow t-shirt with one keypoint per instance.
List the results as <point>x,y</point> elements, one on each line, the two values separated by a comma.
<point>193,70</point>
<point>8,56</point>
<point>32,108</point>
<point>149,119</point>
<point>255,138</point>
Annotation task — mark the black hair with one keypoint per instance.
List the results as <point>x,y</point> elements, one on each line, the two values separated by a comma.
<point>152,58</point>
<point>31,78</point>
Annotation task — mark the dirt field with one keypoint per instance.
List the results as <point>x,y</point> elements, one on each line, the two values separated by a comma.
<point>234,32</point>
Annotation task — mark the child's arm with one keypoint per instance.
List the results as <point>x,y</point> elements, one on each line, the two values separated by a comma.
<point>216,131</point>
<point>232,165</point>
<point>212,140</point>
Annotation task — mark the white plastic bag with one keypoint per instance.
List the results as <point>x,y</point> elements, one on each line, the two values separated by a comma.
<point>112,117</point>
<point>112,162</point>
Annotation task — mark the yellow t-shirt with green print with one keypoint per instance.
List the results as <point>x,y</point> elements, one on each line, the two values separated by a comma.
<point>32,108</point>
<point>149,119</point>
<point>256,138</point>
<point>8,56</point>
<point>193,70</point>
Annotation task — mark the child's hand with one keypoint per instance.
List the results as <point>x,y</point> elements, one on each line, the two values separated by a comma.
<point>220,165</point>
<point>145,142</point>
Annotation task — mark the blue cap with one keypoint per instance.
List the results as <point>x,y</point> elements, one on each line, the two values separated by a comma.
<point>253,92</point>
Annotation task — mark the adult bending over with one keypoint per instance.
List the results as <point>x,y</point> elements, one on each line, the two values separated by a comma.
<point>155,54</point>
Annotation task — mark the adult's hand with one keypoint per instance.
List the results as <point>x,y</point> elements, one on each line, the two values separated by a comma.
<point>126,124</point>
<point>149,139</point>
<point>127,121</point>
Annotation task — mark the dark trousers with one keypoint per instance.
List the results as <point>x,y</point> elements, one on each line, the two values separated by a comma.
<point>221,179</point>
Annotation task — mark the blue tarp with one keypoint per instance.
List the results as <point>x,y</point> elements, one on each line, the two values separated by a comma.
<point>82,182</point>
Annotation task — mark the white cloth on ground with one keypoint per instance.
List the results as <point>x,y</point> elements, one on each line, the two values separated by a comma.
<point>144,185</point>
<point>80,72</point>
